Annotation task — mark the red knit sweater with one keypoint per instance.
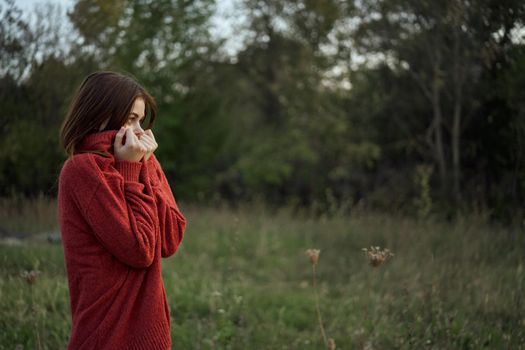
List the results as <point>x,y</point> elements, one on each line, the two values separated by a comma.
<point>117,219</point>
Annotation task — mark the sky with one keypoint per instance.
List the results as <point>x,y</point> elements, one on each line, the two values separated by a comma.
<point>28,4</point>
<point>223,22</point>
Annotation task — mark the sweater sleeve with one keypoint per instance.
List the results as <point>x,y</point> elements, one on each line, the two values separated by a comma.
<point>121,214</point>
<point>172,223</point>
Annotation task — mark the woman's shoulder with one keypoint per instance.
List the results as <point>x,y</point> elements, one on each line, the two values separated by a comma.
<point>72,164</point>
<point>85,166</point>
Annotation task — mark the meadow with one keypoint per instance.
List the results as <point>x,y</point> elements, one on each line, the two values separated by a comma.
<point>241,280</point>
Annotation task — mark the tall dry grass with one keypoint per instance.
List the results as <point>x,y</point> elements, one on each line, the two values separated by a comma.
<point>240,281</point>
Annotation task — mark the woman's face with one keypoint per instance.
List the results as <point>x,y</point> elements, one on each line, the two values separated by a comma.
<point>136,117</point>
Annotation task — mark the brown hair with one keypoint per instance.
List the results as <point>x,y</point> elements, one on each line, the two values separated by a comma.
<point>102,95</point>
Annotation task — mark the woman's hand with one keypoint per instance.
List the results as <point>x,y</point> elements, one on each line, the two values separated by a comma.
<point>148,140</point>
<point>133,150</point>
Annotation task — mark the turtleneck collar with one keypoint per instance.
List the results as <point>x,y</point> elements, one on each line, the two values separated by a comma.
<point>99,141</point>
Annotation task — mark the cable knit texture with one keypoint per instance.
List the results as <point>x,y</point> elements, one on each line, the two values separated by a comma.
<point>117,219</point>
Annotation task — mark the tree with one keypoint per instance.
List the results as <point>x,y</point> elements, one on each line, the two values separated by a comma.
<point>440,45</point>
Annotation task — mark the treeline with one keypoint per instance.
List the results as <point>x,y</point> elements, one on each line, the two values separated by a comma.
<point>406,105</point>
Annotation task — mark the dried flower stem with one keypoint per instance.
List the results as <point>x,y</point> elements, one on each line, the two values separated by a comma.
<point>34,316</point>
<point>317,306</point>
<point>313,255</point>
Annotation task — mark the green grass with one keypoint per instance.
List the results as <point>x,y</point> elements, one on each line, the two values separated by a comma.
<point>241,280</point>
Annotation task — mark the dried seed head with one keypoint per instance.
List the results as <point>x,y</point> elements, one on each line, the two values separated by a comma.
<point>377,256</point>
<point>313,254</point>
<point>30,276</point>
<point>331,344</point>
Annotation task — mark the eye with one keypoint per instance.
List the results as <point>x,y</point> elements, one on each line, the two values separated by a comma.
<point>135,118</point>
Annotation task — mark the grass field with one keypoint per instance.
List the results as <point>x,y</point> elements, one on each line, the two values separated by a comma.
<point>241,280</point>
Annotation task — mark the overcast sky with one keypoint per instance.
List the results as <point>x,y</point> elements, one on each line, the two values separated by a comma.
<point>223,21</point>
<point>28,4</point>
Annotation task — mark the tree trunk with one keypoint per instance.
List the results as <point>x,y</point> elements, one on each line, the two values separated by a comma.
<point>456,149</point>
<point>456,122</point>
<point>438,128</point>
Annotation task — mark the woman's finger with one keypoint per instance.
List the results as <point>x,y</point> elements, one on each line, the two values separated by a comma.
<point>148,143</point>
<point>150,140</point>
<point>131,138</point>
<point>118,138</point>
<point>146,137</point>
<point>150,133</point>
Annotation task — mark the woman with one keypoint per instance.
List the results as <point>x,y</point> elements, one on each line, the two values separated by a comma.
<point>117,216</point>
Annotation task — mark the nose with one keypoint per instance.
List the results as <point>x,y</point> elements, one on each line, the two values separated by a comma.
<point>138,132</point>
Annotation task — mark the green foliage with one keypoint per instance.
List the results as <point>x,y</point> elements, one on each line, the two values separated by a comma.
<point>291,116</point>
<point>29,158</point>
<point>15,37</point>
